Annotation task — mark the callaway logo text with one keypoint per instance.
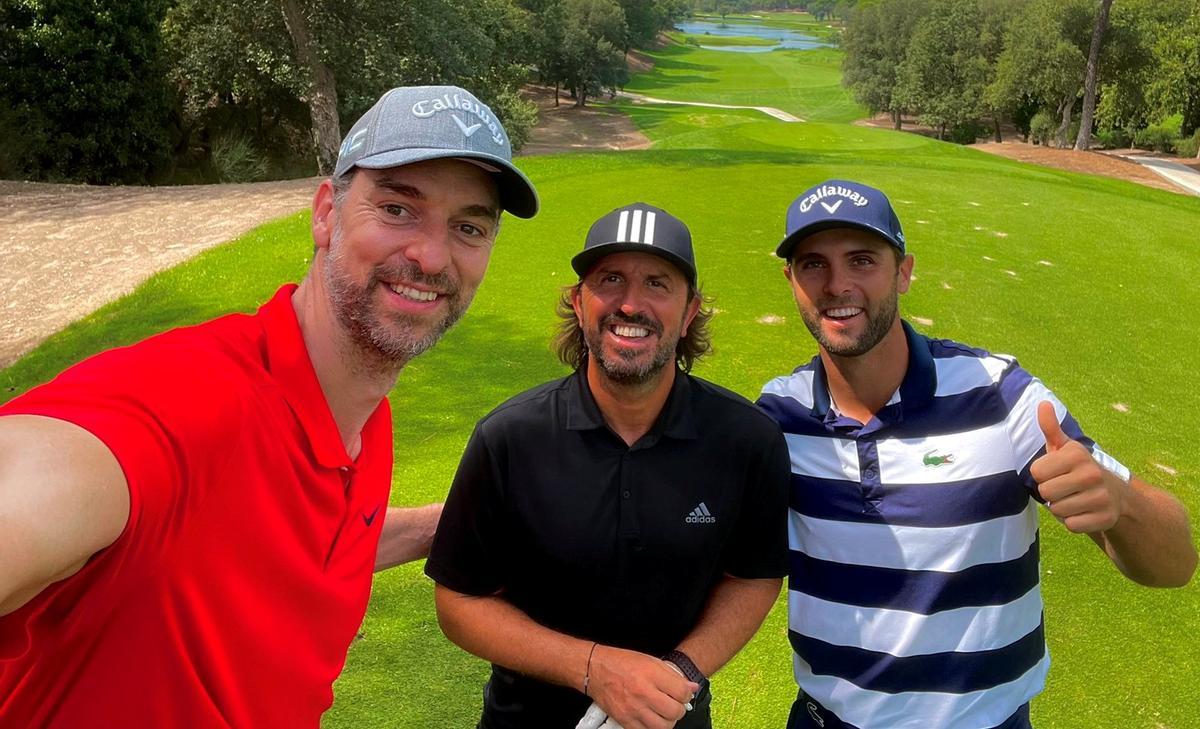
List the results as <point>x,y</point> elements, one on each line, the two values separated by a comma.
<point>447,102</point>
<point>825,191</point>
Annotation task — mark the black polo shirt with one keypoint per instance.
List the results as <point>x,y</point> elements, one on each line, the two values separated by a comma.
<point>604,541</point>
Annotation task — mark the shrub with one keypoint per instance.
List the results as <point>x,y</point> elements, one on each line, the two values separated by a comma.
<point>518,115</point>
<point>1158,137</point>
<point>1188,146</point>
<point>235,159</point>
<point>967,132</point>
<point>82,86</point>
<point>1115,138</point>
<point>1042,127</point>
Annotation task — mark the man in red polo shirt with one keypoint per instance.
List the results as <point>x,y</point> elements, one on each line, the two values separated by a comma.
<point>188,525</point>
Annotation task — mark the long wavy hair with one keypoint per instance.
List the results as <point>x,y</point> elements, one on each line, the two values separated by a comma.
<point>571,346</point>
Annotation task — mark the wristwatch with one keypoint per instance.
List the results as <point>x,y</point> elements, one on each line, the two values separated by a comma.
<point>689,670</point>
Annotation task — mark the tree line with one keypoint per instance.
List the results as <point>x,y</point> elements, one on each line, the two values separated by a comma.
<point>144,91</point>
<point>1063,72</point>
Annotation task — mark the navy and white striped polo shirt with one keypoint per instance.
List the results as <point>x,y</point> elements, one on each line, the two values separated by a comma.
<point>914,595</point>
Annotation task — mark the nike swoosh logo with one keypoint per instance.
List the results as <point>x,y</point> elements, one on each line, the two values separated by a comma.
<point>467,130</point>
<point>368,520</point>
<point>831,209</point>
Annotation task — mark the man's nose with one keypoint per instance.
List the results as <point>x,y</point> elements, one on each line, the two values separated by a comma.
<point>838,281</point>
<point>429,248</point>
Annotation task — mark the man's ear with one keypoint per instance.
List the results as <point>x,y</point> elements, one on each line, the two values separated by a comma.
<point>575,292</point>
<point>904,272</point>
<point>693,308</point>
<point>322,210</point>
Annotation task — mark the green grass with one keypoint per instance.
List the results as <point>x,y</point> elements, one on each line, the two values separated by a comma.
<point>805,83</point>
<point>1111,320</point>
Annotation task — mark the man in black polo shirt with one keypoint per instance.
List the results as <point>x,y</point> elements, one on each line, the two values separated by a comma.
<point>617,535</point>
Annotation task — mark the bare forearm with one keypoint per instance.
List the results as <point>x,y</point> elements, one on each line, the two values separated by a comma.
<point>496,631</point>
<point>1151,543</point>
<point>407,534</point>
<point>734,613</point>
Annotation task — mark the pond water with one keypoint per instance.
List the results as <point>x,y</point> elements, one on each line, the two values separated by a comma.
<point>783,37</point>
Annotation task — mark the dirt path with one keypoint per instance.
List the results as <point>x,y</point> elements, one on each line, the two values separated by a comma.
<point>70,249</point>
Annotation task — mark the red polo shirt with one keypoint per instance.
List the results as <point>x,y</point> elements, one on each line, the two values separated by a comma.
<point>242,575</point>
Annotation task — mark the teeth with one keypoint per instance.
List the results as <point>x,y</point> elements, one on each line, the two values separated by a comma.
<point>410,293</point>
<point>842,313</point>
<point>622,330</point>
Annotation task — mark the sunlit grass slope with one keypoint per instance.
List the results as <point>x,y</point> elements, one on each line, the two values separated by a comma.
<point>805,83</point>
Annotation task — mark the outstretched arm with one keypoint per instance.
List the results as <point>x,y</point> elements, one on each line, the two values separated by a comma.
<point>63,497</point>
<point>407,534</point>
<point>734,612</point>
<point>1143,529</point>
<point>637,690</point>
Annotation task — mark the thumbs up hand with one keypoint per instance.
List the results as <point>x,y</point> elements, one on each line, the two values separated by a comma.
<point>1078,491</point>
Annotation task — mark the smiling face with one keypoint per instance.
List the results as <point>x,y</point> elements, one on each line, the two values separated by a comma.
<point>847,284</point>
<point>405,250</point>
<point>633,308</point>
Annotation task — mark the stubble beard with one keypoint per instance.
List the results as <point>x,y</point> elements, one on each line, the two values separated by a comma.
<point>879,323</point>
<point>388,341</point>
<point>625,369</point>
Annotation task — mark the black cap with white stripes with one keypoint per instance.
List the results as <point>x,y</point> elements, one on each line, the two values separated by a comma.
<point>640,228</point>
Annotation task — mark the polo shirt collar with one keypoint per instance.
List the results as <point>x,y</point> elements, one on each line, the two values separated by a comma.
<point>675,420</point>
<point>292,370</point>
<point>916,389</point>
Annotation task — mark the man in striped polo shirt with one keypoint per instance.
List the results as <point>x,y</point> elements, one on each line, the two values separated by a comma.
<point>917,466</point>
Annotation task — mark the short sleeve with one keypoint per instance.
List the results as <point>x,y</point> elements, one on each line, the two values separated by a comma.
<point>149,413</point>
<point>759,545</point>
<point>466,552</point>
<point>1022,393</point>
<point>162,424</point>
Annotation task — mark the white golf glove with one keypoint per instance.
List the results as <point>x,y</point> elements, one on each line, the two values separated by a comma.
<point>595,718</point>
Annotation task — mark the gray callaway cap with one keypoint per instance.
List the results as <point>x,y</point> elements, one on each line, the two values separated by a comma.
<point>417,123</point>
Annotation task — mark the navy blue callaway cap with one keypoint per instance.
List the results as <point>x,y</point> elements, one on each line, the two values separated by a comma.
<point>840,204</point>
<point>640,228</point>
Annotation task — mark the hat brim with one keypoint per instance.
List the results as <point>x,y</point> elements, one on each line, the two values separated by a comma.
<point>517,194</point>
<point>585,260</point>
<point>785,248</point>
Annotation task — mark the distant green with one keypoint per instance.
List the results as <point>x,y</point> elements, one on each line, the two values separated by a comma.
<point>1089,281</point>
<point>804,83</point>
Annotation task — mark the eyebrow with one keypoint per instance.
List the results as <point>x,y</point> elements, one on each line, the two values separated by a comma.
<point>664,276</point>
<point>483,211</point>
<point>396,186</point>
<point>490,212</point>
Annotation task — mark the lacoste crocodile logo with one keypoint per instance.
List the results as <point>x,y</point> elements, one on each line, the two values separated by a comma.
<point>933,460</point>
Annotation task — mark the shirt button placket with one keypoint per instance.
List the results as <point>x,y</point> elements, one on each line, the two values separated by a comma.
<point>628,524</point>
<point>868,470</point>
